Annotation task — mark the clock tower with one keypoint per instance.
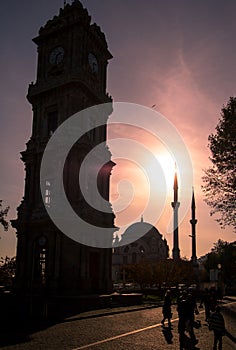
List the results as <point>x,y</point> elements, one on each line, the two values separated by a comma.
<point>71,76</point>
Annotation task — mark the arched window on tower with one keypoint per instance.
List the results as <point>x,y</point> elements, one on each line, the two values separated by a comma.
<point>52,122</point>
<point>40,261</point>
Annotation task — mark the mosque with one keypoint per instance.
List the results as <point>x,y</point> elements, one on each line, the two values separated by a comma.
<point>151,247</point>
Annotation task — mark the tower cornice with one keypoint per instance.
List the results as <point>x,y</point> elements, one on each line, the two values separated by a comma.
<point>41,88</point>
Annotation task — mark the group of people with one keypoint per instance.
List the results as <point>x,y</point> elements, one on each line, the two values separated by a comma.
<point>187,309</point>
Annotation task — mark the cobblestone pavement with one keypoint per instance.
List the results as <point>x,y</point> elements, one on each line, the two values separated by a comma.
<point>117,329</point>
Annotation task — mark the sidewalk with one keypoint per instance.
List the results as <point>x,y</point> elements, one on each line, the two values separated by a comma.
<point>168,339</point>
<point>120,309</point>
<point>121,328</point>
<point>113,311</point>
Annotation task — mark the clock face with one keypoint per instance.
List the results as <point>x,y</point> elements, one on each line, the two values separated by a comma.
<point>93,63</point>
<point>57,55</point>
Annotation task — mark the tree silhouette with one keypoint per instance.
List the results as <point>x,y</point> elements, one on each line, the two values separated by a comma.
<point>3,215</point>
<point>223,253</point>
<point>168,272</point>
<point>7,270</point>
<point>220,179</point>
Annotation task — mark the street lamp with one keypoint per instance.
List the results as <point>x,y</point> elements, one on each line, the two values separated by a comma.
<point>220,282</point>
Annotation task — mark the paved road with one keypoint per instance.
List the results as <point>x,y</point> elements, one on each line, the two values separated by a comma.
<point>114,330</point>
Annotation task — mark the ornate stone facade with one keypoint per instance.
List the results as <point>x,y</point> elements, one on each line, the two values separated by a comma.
<point>71,76</point>
<point>149,248</point>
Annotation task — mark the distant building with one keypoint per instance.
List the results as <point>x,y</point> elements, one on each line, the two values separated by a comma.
<point>149,248</point>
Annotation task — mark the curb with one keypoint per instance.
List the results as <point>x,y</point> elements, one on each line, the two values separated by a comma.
<point>229,310</point>
<point>229,298</point>
<point>105,312</point>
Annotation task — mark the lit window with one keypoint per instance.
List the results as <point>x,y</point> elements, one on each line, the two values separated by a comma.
<point>42,264</point>
<point>47,197</point>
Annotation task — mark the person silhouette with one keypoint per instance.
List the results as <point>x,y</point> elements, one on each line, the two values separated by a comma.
<point>186,308</point>
<point>166,309</point>
<point>206,301</point>
<point>217,324</point>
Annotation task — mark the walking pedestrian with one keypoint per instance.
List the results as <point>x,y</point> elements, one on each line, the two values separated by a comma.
<point>191,310</point>
<point>213,299</point>
<point>217,324</point>
<point>166,309</point>
<point>186,309</point>
<point>181,308</point>
<point>206,301</point>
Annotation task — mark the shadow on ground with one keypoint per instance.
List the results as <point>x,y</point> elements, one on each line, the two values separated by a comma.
<point>22,316</point>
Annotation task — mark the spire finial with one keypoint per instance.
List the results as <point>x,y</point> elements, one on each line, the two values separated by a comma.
<point>142,218</point>
<point>175,187</point>
<point>193,200</point>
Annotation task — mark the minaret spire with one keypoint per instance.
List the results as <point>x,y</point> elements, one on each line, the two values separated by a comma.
<point>193,222</point>
<point>175,205</point>
<point>175,187</point>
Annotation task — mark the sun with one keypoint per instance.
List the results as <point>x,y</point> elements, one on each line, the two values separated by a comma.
<point>163,169</point>
<point>168,166</point>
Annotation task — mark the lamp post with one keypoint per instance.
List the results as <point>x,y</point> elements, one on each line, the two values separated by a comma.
<point>220,282</point>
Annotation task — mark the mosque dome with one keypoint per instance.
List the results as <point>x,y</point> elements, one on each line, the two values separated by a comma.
<point>139,230</point>
<point>142,241</point>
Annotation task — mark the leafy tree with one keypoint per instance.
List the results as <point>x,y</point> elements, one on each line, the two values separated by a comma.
<point>140,273</point>
<point>168,272</point>
<point>220,179</point>
<point>7,270</point>
<point>223,253</point>
<point>3,215</point>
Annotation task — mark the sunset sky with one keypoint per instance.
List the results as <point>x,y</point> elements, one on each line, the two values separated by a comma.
<point>177,55</point>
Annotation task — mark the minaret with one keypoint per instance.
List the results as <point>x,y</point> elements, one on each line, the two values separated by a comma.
<point>193,222</point>
<point>175,205</point>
